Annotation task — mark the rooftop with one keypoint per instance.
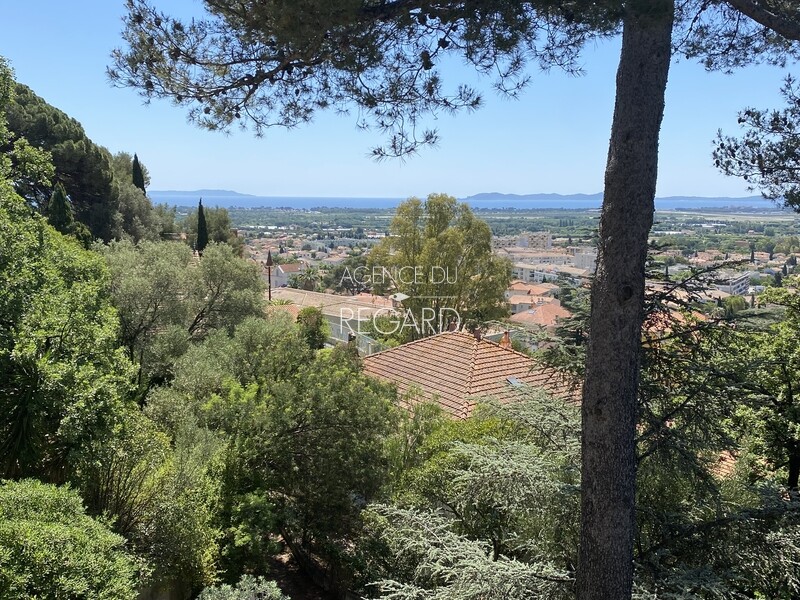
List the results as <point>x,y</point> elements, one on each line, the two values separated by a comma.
<point>455,369</point>
<point>541,315</point>
<point>332,305</point>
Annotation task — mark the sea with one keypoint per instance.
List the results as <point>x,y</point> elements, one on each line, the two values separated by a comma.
<point>480,201</point>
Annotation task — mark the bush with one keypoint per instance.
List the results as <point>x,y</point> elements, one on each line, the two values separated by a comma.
<point>50,548</point>
<point>248,588</point>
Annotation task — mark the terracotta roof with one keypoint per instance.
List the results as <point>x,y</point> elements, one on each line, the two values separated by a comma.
<point>532,289</point>
<point>543,315</point>
<point>332,305</point>
<point>292,309</point>
<point>290,267</point>
<point>530,299</point>
<point>454,369</point>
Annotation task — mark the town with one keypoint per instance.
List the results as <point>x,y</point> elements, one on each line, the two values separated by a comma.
<point>319,256</point>
<point>400,300</point>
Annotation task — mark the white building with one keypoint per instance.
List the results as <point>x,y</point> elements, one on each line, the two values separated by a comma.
<point>736,286</point>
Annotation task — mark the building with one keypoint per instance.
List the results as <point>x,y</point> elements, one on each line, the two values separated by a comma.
<point>346,315</point>
<point>539,239</point>
<point>585,260</point>
<point>544,315</point>
<point>520,288</point>
<point>521,302</point>
<point>737,285</point>
<point>281,273</point>
<point>540,273</point>
<point>456,369</point>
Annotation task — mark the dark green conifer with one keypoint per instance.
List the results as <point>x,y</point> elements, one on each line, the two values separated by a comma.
<point>59,211</point>
<point>138,174</point>
<point>202,229</point>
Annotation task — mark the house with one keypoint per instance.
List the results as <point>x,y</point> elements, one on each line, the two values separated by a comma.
<point>522,302</point>
<point>542,273</point>
<point>456,369</point>
<point>544,315</point>
<point>519,288</point>
<point>281,273</point>
<point>346,315</point>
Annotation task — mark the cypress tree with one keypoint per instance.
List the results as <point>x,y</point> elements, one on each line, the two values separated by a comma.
<point>138,174</point>
<point>59,211</point>
<point>202,229</point>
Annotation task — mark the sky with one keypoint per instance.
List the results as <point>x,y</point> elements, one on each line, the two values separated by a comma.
<point>553,139</point>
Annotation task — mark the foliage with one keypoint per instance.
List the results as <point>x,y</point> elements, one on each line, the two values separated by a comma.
<point>6,93</point>
<point>313,327</point>
<point>311,446</point>
<point>161,494</point>
<point>59,215</point>
<point>490,508</point>
<point>771,408</point>
<point>202,229</point>
<point>249,587</point>
<point>25,166</point>
<point>83,167</point>
<point>259,353</point>
<point>767,156</point>
<point>61,374</point>
<point>218,227</point>
<point>46,145</point>
<point>50,548</point>
<point>432,562</point>
<point>137,174</point>
<point>165,301</point>
<point>382,60</point>
<point>439,254</point>
<point>307,279</point>
<point>344,278</point>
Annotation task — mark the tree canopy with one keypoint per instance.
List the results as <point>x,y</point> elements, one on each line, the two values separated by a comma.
<point>50,547</point>
<point>62,376</point>
<point>439,254</point>
<point>767,156</point>
<point>273,63</point>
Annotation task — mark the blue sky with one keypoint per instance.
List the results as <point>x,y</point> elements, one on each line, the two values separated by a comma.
<point>553,139</point>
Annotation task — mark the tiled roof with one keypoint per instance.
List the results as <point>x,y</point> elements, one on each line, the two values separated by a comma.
<point>530,299</point>
<point>332,305</point>
<point>532,289</point>
<point>542,315</point>
<point>290,267</point>
<point>455,370</point>
<point>291,309</point>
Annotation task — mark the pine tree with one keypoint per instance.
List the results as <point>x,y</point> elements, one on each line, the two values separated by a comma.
<point>138,174</point>
<point>202,229</point>
<point>59,211</point>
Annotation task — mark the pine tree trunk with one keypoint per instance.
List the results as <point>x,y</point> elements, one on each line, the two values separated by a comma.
<point>608,482</point>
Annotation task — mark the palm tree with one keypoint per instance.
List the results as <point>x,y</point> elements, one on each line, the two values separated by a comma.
<point>308,279</point>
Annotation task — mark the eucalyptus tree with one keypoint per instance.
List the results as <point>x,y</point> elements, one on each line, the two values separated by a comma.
<point>276,63</point>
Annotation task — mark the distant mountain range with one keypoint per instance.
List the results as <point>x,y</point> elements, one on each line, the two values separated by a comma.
<point>202,193</point>
<point>494,200</point>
